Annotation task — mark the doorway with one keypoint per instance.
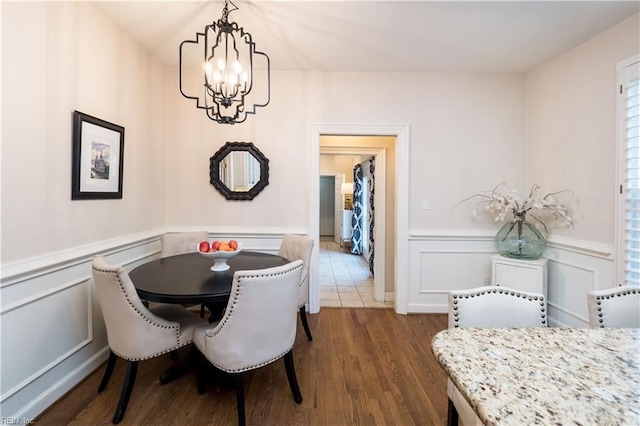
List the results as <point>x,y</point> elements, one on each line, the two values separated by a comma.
<point>344,153</point>
<point>401,224</point>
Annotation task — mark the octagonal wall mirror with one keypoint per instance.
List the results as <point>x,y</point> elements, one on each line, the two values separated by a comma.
<point>239,171</point>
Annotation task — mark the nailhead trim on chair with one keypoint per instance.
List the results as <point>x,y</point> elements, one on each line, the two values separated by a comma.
<point>253,367</point>
<point>229,313</point>
<point>599,299</point>
<point>177,327</point>
<point>456,319</point>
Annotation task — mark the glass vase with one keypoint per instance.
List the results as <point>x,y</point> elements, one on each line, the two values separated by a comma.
<point>520,239</point>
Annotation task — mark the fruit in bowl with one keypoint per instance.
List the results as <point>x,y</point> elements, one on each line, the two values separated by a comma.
<point>219,252</point>
<point>215,246</point>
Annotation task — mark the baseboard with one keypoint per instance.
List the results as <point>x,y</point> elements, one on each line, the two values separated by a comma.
<point>59,389</point>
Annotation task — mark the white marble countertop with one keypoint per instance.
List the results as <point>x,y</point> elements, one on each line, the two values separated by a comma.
<point>526,376</point>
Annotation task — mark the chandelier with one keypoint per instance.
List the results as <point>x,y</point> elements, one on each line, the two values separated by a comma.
<point>228,71</point>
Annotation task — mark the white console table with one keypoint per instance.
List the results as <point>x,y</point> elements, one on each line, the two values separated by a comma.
<point>519,274</point>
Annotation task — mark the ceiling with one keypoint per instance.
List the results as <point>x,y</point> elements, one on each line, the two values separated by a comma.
<point>420,36</point>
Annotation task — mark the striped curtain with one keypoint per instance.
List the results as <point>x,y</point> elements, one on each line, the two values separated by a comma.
<point>356,220</point>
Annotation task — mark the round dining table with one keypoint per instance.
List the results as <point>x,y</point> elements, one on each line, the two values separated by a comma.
<point>188,278</point>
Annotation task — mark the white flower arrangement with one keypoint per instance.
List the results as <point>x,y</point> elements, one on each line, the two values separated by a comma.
<point>502,201</point>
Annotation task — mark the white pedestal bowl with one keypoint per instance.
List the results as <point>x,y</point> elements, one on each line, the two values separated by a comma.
<point>220,258</point>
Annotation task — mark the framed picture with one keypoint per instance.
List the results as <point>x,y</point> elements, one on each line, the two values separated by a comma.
<point>98,154</point>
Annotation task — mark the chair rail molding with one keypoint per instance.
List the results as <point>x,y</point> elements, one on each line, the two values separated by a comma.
<point>591,248</point>
<point>451,234</point>
<point>574,267</point>
<point>32,267</point>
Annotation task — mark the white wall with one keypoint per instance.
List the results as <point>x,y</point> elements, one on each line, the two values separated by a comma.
<point>467,133</point>
<point>571,143</point>
<point>339,164</point>
<point>571,122</point>
<point>278,131</point>
<point>60,57</point>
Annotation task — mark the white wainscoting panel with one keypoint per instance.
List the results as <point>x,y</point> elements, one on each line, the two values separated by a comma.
<point>444,260</point>
<point>572,272</point>
<point>60,324</point>
<point>53,334</point>
<point>441,261</point>
<point>568,280</point>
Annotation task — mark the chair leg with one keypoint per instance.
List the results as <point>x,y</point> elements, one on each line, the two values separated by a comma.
<point>240,399</point>
<point>303,318</point>
<point>107,373</point>
<point>291,375</point>
<point>127,387</point>
<point>202,310</point>
<point>216,310</point>
<point>452,414</point>
<point>201,370</point>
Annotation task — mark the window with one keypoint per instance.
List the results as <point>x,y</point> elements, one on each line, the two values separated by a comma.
<point>629,157</point>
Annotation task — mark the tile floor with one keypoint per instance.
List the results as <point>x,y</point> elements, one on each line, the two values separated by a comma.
<point>345,280</point>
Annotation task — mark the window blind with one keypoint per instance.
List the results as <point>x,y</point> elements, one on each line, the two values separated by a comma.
<point>631,191</point>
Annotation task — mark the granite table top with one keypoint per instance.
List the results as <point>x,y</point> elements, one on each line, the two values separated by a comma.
<point>559,376</point>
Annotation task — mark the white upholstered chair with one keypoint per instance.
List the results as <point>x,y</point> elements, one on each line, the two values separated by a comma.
<point>174,243</point>
<point>296,247</point>
<point>134,332</point>
<point>489,306</point>
<point>614,307</point>
<point>258,327</point>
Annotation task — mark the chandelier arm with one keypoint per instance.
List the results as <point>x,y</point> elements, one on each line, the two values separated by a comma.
<point>268,79</point>
<point>228,70</point>
<point>180,69</point>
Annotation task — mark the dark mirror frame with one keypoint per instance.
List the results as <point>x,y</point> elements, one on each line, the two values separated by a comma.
<point>214,171</point>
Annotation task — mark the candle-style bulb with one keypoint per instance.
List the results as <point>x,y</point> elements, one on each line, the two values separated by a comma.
<point>237,67</point>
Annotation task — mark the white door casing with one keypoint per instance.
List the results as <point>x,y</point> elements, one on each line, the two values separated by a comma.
<point>402,134</point>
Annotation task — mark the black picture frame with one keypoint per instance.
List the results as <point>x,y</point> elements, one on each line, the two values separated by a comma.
<point>93,176</point>
<point>218,182</point>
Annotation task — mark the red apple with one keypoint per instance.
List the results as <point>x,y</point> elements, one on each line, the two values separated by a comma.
<point>204,246</point>
<point>215,246</point>
<point>233,244</point>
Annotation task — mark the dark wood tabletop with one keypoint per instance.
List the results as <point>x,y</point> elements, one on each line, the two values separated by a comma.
<point>187,278</point>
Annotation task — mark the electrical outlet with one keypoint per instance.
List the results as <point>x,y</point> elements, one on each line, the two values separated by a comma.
<point>486,281</point>
<point>426,205</point>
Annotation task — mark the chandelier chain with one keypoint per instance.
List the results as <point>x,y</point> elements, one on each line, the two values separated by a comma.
<point>226,11</point>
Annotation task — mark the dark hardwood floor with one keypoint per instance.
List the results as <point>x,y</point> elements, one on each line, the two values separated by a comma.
<point>364,367</point>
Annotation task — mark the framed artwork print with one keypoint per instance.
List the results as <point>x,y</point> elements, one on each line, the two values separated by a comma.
<point>98,154</point>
